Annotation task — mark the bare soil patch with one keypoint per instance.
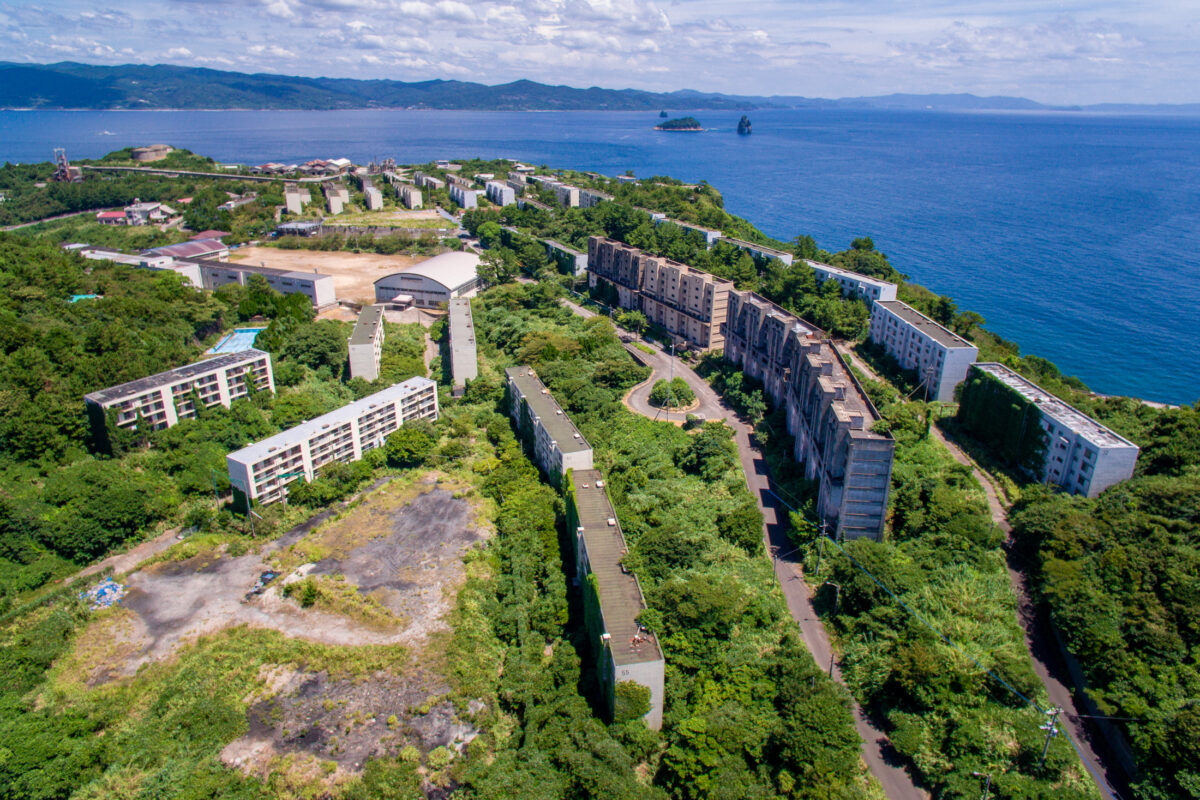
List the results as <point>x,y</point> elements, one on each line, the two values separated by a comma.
<point>346,722</point>
<point>354,274</point>
<point>402,547</point>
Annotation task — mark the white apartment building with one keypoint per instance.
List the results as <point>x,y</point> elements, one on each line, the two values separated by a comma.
<point>366,344</point>
<point>568,259</point>
<point>262,471</point>
<point>373,198</point>
<point>566,195</point>
<point>464,197</point>
<point>758,251</point>
<point>556,444</point>
<point>410,196</point>
<point>464,362</point>
<point>161,400</point>
<point>1082,456</point>
<point>294,198</point>
<point>854,284</point>
<point>589,198</point>
<point>500,193</point>
<point>939,356</point>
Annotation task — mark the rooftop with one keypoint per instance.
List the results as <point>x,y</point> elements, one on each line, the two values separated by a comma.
<point>192,249</point>
<point>173,376</point>
<point>367,326</point>
<point>761,248</point>
<point>259,270</point>
<point>256,452</point>
<point>1051,406</point>
<point>845,273</point>
<point>562,247</point>
<point>547,410</point>
<point>620,595</point>
<point>924,324</point>
<point>463,358</point>
<point>452,269</point>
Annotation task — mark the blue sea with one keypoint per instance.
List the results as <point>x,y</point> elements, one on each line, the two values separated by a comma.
<point>1076,236</point>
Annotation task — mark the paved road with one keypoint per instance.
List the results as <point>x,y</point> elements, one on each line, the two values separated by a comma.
<point>1039,635</point>
<point>58,216</point>
<point>876,750</point>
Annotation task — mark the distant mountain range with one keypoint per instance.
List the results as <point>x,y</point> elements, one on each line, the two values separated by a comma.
<point>72,85</point>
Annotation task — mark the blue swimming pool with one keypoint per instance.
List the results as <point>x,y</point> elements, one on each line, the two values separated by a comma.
<point>240,339</point>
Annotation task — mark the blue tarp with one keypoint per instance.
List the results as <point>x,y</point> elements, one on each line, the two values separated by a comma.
<point>104,594</point>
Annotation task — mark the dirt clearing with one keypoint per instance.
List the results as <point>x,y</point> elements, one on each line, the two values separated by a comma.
<point>398,553</point>
<point>354,274</point>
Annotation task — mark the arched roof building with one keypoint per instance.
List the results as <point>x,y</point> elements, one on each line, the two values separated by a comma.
<point>432,282</point>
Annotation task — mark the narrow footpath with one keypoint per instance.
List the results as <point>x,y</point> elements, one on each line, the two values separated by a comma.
<point>877,751</point>
<point>1040,639</point>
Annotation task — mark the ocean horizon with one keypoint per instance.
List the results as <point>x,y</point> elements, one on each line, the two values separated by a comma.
<point>1076,235</point>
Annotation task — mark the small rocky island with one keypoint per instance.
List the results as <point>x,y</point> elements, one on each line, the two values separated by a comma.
<point>680,124</point>
<point>744,126</point>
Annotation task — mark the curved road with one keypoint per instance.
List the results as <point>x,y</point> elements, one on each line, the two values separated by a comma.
<point>876,749</point>
<point>1040,639</point>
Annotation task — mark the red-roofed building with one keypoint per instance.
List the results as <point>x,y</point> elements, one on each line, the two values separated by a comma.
<point>111,218</point>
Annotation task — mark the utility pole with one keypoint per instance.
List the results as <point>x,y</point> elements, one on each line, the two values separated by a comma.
<point>1051,731</point>
<point>987,787</point>
<point>831,663</point>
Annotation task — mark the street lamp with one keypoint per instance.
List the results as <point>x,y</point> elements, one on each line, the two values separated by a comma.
<point>987,786</point>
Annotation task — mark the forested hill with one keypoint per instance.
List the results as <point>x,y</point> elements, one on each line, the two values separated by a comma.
<point>141,86</point>
<point>72,85</point>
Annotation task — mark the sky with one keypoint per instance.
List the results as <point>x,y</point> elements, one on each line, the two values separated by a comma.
<point>1072,52</point>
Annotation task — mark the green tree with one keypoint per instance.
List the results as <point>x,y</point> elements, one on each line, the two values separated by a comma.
<point>411,444</point>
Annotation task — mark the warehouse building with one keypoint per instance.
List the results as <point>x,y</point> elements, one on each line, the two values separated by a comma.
<point>689,304</point>
<point>366,344</point>
<point>625,650</point>
<point>854,284</point>
<point>464,364</point>
<point>212,249</point>
<point>432,282</point>
<point>553,440</point>
<point>1081,455</point>
<point>316,287</point>
<point>939,356</point>
<point>262,471</point>
<point>160,401</point>
<point>826,409</point>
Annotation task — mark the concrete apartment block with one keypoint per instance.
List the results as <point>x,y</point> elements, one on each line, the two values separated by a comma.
<point>410,196</point>
<point>1082,456</point>
<point>161,400</point>
<point>831,419</point>
<point>690,304</point>
<point>568,259</point>
<point>294,198</point>
<point>589,198</point>
<point>373,198</point>
<point>500,193</point>
<point>827,412</point>
<point>758,251</point>
<point>464,197</point>
<point>711,237</point>
<point>366,344</point>
<point>566,195</point>
<point>939,356</point>
<point>612,597</point>
<point>333,203</point>
<point>554,441</point>
<point>464,363</point>
<point>262,471</point>
<point>854,284</point>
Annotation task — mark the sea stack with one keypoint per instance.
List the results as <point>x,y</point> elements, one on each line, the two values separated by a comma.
<point>744,126</point>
